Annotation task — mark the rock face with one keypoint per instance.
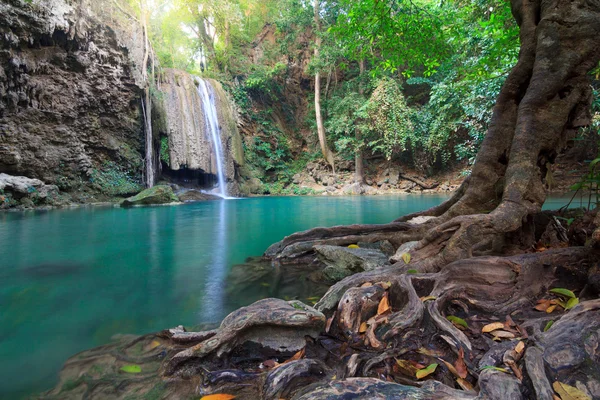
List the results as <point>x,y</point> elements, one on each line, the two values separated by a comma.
<point>190,143</point>
<point>160,194</point>
<point>69,96</point>
<point>28,192</point>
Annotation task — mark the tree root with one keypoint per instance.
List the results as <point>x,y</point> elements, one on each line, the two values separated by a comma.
<point>382,326</point>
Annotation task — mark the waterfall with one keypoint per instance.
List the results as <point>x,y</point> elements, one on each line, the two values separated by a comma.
<point>147,111</point>
<point>209,107</point>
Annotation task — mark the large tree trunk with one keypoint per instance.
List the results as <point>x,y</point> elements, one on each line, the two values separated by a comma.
<point>359,173</point>
<point>327,153</point>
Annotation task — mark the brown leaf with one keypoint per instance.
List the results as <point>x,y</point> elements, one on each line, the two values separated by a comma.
<point>492,327</point>
<point>509,323</point>
<point>430,353</point>
<point>269,364</point>
<point>503,334</point>
<point>385,285</point>
<point>522,332</point>
<point>464,384</point>
<point>384,305</point>
<point>427,298</point>
<point>450,368</point>
<point>520,347</point>
<point>551,308</point>
<point>542,305</point>
<point>218,396</point>
<point>517,371</point>
<point>460,365</point>
<point>568,392</point>
<point>407,367</point>
<point>366,284</point>
<point>363,328</point>
<point>296,356</point>
<point>154,344</point>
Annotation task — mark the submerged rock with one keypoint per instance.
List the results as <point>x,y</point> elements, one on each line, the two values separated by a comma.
<point>161,194</point>
<point>343,261</point>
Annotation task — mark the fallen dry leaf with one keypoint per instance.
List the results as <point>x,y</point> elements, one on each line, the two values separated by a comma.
<point>542,305</point>
<point>296,356</point>
<point>450,368</point>
<point>366,284</point>
<point>568,392</point>
<point>408,367</point>
<point>464,384</point>
<point>269,364</point>
<point>460,365</point>
<point>492,327</point>
<point>427,298</point>
<point>363,328</point>
<point>218,396</point>
<point>154,344</point>
<point>503,334</point>
<point>385,285</point>
<point>520,347</point>
<point>551,308</point>
<point>384,305</point>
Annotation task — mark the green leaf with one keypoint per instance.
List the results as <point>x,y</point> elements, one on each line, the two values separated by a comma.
<point>548,325</point>
<point>412,271</point>
<point>563,292</point>
<point>457,320</point>
<point>430,369</point>
<point>353,246</point>
<point>131,369</point>
<point>573,301</point>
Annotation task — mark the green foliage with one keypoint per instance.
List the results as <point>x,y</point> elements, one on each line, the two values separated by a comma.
<point>390,119</point>
<point>164,150</point>
<point>114,180</point>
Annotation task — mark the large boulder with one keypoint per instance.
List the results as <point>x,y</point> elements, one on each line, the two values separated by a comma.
<point>160,194</point>
<point>27,192</point>
<point>343,261</point>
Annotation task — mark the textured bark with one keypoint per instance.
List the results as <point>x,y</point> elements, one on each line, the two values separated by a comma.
<point>359,173</point>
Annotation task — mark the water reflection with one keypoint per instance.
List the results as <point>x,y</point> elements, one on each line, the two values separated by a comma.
<point>218,267</point>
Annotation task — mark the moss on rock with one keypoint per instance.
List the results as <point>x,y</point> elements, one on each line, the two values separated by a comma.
<point>160,194</point>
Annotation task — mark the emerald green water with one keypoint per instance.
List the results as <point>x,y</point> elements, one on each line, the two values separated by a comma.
<point>71,279</point>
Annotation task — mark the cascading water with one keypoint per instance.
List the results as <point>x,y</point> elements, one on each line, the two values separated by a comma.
<point>209,107</point>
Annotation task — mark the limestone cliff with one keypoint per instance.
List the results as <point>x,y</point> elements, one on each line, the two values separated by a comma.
<point>190,145</point>
<point>69,96</point>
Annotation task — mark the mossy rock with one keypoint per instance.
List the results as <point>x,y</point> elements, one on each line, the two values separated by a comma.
<point>160,194</point>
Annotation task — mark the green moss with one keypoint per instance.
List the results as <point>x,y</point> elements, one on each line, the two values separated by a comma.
<point>113,180</point>
<point>164,150</point>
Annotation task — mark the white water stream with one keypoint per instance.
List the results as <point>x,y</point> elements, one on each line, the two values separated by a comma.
<point>209,107</point>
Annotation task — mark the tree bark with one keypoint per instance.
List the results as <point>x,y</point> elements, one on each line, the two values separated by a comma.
<point>359,173</point>
<point>327,153</point>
